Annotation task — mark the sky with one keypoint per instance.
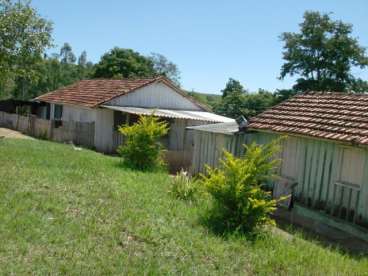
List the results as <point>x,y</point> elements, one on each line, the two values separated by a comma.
<point>209,40</point>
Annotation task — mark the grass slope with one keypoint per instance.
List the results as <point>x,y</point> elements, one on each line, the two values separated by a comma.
<point>77,212</point>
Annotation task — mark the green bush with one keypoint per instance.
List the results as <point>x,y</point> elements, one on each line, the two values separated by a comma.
<point>237,188</point>
<point>182,186</point>
<point>142,149</point>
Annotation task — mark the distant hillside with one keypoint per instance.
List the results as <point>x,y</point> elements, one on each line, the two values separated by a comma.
<point>208,99</point>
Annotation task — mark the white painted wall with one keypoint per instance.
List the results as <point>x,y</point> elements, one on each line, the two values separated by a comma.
<point>52,111</point>
<point>156,95</point>
<point>104,124</point>
<point>78,114</point>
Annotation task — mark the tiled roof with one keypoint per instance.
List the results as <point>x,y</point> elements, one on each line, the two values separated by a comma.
<point>336,116</point>
<point>91,93</point>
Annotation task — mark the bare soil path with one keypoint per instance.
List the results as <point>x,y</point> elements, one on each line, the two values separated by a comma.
<point>8,133</point>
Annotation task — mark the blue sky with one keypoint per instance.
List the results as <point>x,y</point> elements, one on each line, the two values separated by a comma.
<point>210,41</point>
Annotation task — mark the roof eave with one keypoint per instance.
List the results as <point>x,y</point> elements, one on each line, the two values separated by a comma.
<point>346,143</point>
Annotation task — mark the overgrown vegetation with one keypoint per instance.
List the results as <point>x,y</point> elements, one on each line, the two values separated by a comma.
<point>142,148</point>
<point>238,188</point>
<point>183,186</point>
<point>83,214</point>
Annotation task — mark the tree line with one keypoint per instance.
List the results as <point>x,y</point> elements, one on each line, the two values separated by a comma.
<point>26,70</point>
<point>322,54</point>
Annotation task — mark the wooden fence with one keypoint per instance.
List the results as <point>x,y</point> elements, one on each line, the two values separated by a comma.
<point>61,131</point>
<point>117,140</point>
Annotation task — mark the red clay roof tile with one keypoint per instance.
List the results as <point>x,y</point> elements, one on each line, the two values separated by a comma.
<point>336,116</point>
<point>91,93</point>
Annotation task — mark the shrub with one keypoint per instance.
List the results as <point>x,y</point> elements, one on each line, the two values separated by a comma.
<point>141,148</point>
<point>182,186</point>
<point>237,188</point>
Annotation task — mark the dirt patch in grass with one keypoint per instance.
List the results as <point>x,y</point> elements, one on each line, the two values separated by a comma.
<point>8,133</point>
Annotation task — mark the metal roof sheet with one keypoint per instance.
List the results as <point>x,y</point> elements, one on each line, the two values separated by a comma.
<point>228,128</point>
<point>168,113</point>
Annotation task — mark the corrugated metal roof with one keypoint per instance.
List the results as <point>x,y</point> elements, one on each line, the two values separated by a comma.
<point>228,128</point>
<point>178,114</point>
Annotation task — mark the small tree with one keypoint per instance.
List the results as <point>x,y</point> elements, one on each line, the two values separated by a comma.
<point>237,188</point>
<point>142,149</point>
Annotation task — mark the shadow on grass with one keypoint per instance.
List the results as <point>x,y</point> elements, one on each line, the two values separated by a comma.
<point>353,247</point>
<point>125,165</point>
<point>219,224</point>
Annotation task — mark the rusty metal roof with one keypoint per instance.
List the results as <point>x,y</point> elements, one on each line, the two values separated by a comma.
<point>336,116</point>
<point>168,113</point>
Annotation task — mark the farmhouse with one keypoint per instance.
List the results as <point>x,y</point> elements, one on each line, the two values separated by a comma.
<point>110,103</point>
<point>324,157</point>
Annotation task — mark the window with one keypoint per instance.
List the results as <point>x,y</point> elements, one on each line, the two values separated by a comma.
<point>289,165</point>
<point>352,166</point>
<point>119,119</point>
<point>133,118</point>
<point>58,112</point>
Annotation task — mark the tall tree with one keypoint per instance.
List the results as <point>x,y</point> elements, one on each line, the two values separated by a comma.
<point>82,60</point>
<point>163,66</point>
<point>66,54</point>
<point>24,36</point>
<point>123,63</point>
<point>232,86</point>
<point>322,54</point>
<point>55,73</point>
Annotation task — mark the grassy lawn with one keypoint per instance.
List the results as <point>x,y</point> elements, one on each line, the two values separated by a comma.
<point>64,211</point>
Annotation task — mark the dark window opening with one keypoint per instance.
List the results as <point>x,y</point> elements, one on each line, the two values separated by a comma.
<point>48,111</point>
<point>133,119</point>
<point>58,123</point>
<point>58,112</point>
<point>119,119</point>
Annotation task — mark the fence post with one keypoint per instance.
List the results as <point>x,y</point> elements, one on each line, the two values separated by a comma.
<point>51,129</point>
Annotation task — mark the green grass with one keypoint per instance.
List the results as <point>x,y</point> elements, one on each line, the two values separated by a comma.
<point>64,211</point>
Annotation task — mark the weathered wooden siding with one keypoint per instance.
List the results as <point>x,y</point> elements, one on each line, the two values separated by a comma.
<point>209,148</point>
<point>330,177</point>
<point>78,114</point>
<point>79,133</point>
<point>155,95</point>
<point>104,130</point>
<point>178,143</point>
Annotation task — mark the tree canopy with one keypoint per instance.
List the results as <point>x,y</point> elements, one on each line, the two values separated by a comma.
<point>123,63</point>
<point>232,86</point>
<point>24,36</point>
<point>127,63</point>
<point>163,66</point>
<point>322,54</point>
<point>236,101</point>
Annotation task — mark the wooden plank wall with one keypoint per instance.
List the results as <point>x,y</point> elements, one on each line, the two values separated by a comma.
<point>76,132</point>
<point>153,96</point>
<point>325,171</point>
<point>209,148</point>
<point>324,179</point>
<point>178,144</point>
